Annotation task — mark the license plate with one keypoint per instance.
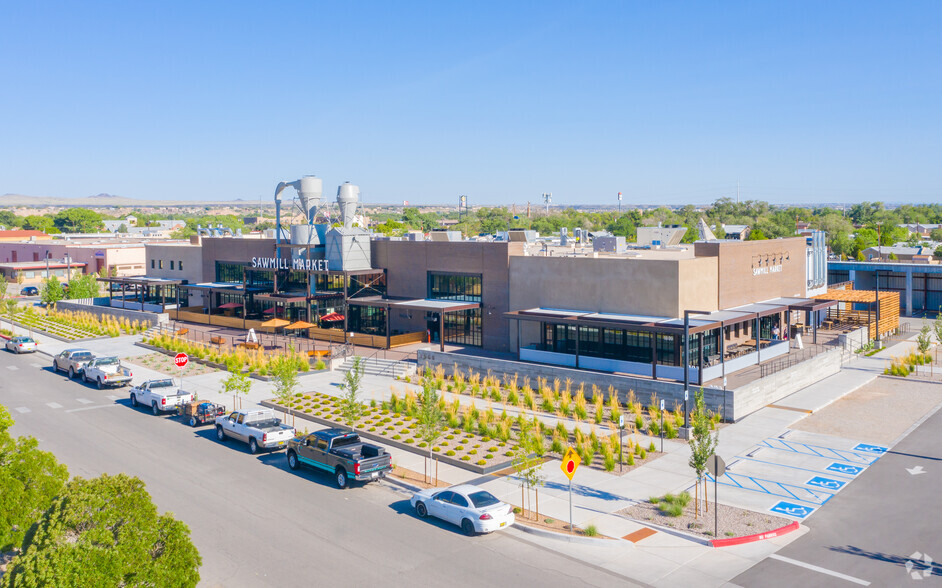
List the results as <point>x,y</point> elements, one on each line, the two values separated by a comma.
<point>374,474</point>
<point>502,524</point>
<point>281,443</point>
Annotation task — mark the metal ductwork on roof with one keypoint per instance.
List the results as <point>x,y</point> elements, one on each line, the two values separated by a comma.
<point>348,196</point>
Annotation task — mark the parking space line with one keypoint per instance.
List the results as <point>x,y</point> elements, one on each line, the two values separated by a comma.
<point>12,367</point>
<point>782,465</point>
<point>780,489</point>
<point>819,569</point>
<point>112,397</point>
<point>83,400</point>
<point>53,405</point>
<point>37,365</point>
<point>92,407</point>
<point>827,452</point>
<point>22,410</point>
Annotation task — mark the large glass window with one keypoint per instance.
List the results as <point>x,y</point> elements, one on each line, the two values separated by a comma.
<point>463,327</point>
<point>328,283</point>
<point>228,272</point>
<point>666,353</point>
<point>263,279</point>
<point>367,319</point>
<point>465,288</point>
<point>367,285</point>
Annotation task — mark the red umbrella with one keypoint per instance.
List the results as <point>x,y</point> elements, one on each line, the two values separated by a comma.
<point>332,317</point>
<point>230,305</point>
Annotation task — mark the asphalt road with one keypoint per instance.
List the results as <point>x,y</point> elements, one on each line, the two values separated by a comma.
<point>255,522</point>
<point>869,530</point>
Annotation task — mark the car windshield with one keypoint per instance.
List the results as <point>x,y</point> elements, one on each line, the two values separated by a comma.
<point>108,361</point>
<point>482,498</point>
<point>161,384</point>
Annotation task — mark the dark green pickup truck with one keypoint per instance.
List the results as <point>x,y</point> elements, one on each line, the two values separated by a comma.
<point>340,453</point>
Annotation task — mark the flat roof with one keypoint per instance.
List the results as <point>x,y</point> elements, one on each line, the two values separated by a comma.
<point>40,265</point>
<point>426,304</point>
<point>140,280</point>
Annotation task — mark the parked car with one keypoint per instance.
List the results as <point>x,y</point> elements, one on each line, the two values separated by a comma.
<point>259,428</point>
<point>29,291</point>
<point>21,345</point>
<point>160,395</point>
<point>106,371</point>
<point>473,509</point>
<point>72,361</point>
<point>340,453</point>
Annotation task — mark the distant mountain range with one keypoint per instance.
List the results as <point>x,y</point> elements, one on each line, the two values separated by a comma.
<point>101,200</point>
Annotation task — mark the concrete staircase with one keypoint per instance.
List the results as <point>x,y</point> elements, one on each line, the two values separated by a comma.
<point>376,366</point>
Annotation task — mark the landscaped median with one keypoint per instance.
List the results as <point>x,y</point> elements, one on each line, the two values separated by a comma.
<point>73,326</point>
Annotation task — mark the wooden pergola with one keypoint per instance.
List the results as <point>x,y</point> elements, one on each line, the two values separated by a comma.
<point>888,308</point>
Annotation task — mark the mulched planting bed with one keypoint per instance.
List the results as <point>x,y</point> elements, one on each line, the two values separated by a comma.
<point>165,365</point>
<point>733,522</point>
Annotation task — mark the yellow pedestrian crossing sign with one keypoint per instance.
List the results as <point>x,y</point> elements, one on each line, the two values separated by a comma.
<point>571,461</point>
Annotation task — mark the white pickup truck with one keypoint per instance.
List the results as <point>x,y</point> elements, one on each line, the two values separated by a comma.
<point>160,395</point>
<point>259,428</point>
<point>106,371</point>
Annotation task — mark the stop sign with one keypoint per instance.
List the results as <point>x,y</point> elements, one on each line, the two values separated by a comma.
<point>181,360</point>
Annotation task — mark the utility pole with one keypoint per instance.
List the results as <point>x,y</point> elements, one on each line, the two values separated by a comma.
<point>547,198</point>
<point>619,203</point>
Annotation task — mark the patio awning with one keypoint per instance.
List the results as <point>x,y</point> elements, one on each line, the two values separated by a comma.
<point>334,316</point>
<point>423,304</point>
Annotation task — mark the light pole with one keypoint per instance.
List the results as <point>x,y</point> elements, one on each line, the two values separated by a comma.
<point>876,274</point>
<point>686,359</point>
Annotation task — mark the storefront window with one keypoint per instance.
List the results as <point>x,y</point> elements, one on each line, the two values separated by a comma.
<point>228,272</point>
<point>463,327</point>
<point>666,354</point>
<point>367,319</point>
<point>464,288</point>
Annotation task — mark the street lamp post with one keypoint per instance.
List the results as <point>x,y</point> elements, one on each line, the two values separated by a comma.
<point>685,354</point>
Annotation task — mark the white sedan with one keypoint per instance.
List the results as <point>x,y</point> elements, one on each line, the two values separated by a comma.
<point>473,509</point>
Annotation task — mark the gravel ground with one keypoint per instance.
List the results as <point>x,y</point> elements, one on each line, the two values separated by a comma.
<point>733,522</point>
<point>164,364</point>
<point>878,412</point>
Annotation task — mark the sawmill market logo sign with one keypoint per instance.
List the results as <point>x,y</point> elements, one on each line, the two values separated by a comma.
<point>282,263</point>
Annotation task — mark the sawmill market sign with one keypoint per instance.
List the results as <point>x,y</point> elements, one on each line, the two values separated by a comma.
<point>282,263</point>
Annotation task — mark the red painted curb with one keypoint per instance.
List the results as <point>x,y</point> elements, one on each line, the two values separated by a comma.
<point>752,538</point>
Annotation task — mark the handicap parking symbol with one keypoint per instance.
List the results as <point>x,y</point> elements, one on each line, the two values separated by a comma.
<point>866,448</point>
<point>843,468</point>
<point>826,483</point>
<point>792,510</point>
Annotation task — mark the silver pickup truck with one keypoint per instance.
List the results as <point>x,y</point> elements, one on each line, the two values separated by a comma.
<point>72,361</point>
<point>106,371</point>
<point>259,428</point>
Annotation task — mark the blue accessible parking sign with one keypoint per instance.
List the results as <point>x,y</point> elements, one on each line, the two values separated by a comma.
<point>843,468</point>
<point>826,483</point>
<point>796,511</point>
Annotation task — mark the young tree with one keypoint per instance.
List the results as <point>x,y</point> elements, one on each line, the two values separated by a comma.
<point>3,287</point>
<point>29,480</point>
<point>527,466</point>
<point>430,416</point>
<point>286,381</point>
<point>702,443</point>
<point>924,339</point>
<point>51,291</point>
<point>105,532</point>
<point>937,327</point>
<point>238,383</point>
<point>350,406</point>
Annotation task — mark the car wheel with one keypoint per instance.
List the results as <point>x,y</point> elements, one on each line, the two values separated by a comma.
<point>100,384</point>
<point>467,527</point>
<point>253,446</point>
<point>220,436</point>
<point>71,373</point>
<point>421,510</point>
<point>133,400</point>
<point>292,460</point>
<point>192,421</point>
<point>341,478</point>
<point>153,408</point>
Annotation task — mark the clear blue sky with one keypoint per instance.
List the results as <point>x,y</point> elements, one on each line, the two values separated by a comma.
<point>667,102</point>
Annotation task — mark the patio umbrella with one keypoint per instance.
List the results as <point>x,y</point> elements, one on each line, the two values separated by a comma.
<point>300,325</point>
<point>230,305</point>
<point>275,323</point>
<point>332,317</point>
